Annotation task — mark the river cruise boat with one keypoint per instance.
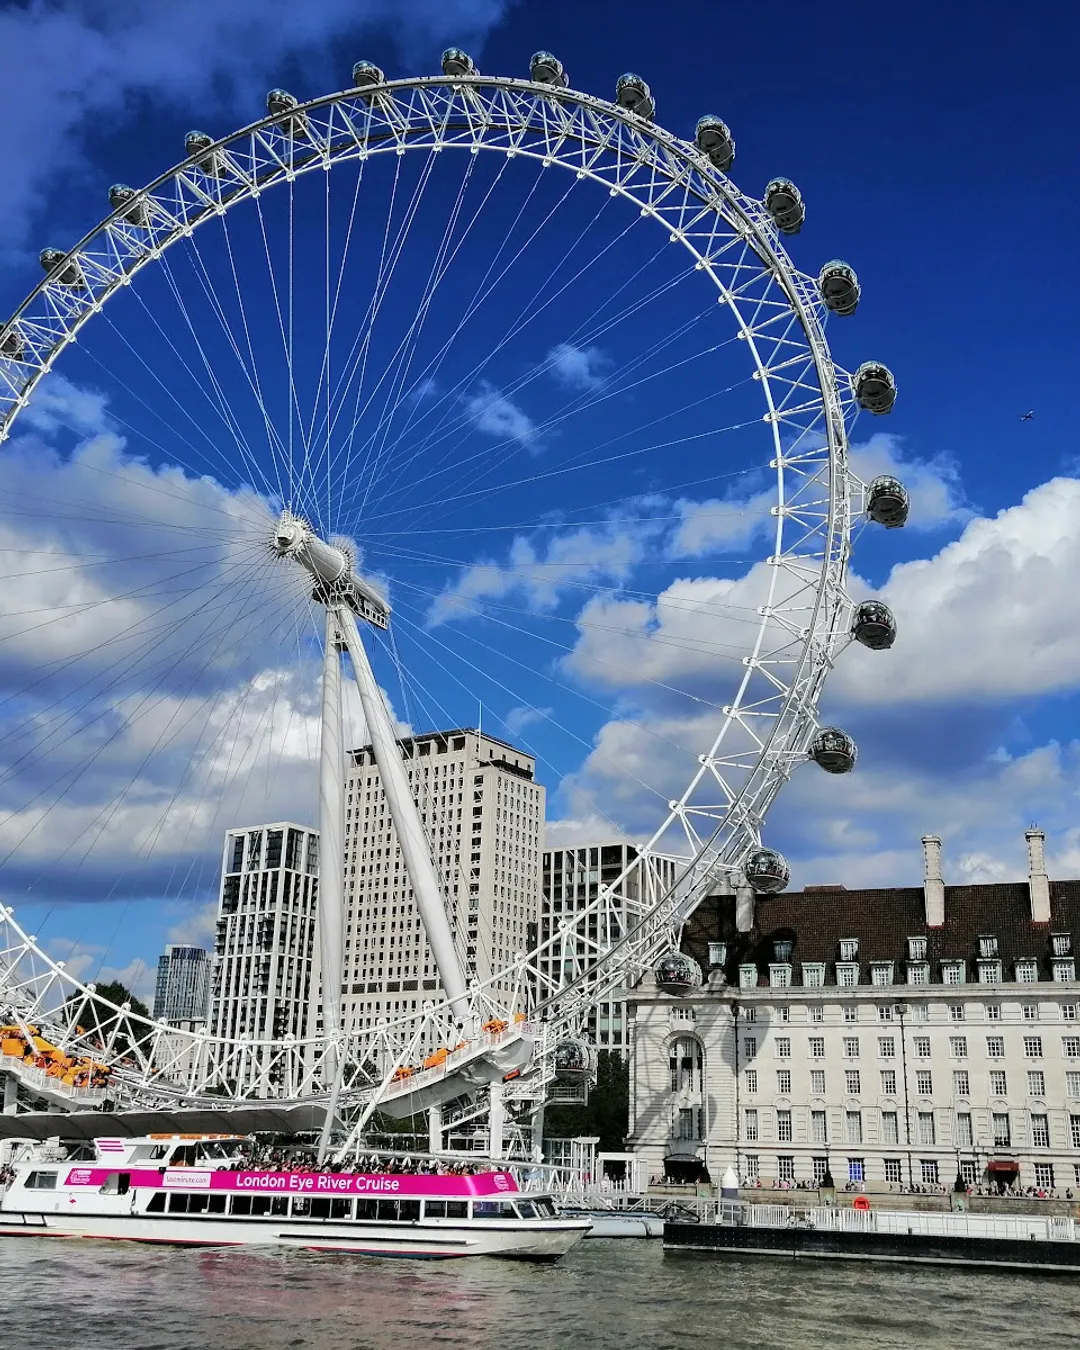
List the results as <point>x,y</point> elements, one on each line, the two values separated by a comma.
<point>203,1191</point>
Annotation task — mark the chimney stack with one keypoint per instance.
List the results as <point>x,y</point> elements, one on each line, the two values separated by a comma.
<point>933,883</point>
<point>1038,881</point>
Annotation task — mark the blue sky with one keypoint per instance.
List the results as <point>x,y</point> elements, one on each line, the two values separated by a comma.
<point>932,153</point>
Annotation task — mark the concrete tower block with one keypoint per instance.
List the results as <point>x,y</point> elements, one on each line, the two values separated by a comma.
<point>933,882</point>
<point>1038,881</point>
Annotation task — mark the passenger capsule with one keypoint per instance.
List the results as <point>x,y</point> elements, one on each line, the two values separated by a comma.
<point>677,973</point>
<point>713,138</point>
<point>365,74</point>
<point>69,273</point>
<point>574,1060</point>
<point>197,144</point>
<point>120,195</point>
<point>874,625</point>
<point>279,103</point>
<point>784,203</point>
<point>833,750</point>
<point>839,287</point>
<point>887,501</point>
<point>547,69</point>
<point>632,93</point>
<point>875,388</point>
<point>767,871</point>
<point>457,62</point>
<point>12,347</point>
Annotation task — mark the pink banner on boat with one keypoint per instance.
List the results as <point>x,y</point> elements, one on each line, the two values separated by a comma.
<point>300,1183</point>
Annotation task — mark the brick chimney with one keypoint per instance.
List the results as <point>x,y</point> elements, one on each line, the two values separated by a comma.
<point>1038,881</point>
<point>933,883</point>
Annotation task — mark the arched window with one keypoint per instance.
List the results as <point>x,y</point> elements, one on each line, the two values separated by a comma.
<point>685,1063</point>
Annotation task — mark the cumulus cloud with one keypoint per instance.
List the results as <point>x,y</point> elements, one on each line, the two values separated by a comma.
<point>719,526</point>
<point>578,368</point>
<point>986,618</point>
<point>496,414</point>
<point>937,495</point>
<point>80,67</point>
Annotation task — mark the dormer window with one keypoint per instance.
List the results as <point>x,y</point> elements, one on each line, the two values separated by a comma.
<point>988,946</point>
<point>990,972</point>
<point>918,972</point>
<point>780,977</point>
<point>782,949</point>
<point>1065,970</point>
<point>1061,944</point>
<point>748,977</point>
<point>1027,971</point>
<point>916,949</point>
<point>813,975</point>
<point>717,953</point>
<point>953,972</point>
<point>849,949</point>
<point>881,972</point>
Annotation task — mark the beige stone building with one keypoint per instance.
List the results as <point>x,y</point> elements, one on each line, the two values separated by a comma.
<point>893,1037</point>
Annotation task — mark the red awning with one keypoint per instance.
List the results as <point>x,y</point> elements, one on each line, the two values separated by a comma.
<point>1002,1165</point>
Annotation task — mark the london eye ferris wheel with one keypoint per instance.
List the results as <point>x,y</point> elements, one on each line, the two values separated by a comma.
<point>434,392</point>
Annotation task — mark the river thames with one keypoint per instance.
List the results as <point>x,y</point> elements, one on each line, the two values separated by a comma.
<point>604,1296</point>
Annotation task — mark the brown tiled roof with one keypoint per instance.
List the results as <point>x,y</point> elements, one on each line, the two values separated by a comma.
<point>882,921</point>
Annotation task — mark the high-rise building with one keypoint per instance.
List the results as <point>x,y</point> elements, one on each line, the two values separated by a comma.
<point>182,991</point>
<point>261,986</point>
<point>572,878</point>
<point>483,813</point>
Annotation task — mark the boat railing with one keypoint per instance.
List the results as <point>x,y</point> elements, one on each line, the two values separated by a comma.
<point>835,1219</point>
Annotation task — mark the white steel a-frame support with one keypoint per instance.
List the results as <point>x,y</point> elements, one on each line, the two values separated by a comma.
<point>415,850</point>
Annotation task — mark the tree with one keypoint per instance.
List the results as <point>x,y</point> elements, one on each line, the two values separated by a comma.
<point>607,1113</point>
<point>98,1019</point>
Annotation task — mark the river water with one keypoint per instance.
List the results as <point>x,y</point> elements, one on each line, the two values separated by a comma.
<point>604,1295</point>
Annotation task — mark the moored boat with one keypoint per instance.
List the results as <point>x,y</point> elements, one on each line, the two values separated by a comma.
<point>197,1191</point>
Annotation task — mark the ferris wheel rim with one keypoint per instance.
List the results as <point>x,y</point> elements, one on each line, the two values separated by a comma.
<point>760,236</point>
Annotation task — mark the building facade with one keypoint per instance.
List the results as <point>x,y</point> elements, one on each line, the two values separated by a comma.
<point>892,1038</point>
<point>182,990</point>
<point>483,813</point>
<point>261,985</point>
<point>571,882</point>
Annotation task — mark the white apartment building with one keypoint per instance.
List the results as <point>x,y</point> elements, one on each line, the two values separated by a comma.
<point>572,878</point>
<point>891,1037</point>
<point>262,967</point>
<point>483,813</point>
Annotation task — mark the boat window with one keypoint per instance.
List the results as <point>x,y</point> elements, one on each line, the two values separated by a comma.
<point>41,1181</point>
<point>526,1209</point>
<point>116,1183</point>
<point>216,1204</point>
<point>279,1205</point>
<point>157,1203</point>
<point>301,1207</point>
<point>434,1209</point>
<point>545,1207</point>
<point>387,1211</point>
<point>260,1204</point>
<point>240,1204</point>
<point>197,1204</point>
<point>367,1209</point>
<point>320,1208</point>
<point>160,1151</point>
<point>409,1211</point>
<point>178,1204</point>
<point>493,1209</point>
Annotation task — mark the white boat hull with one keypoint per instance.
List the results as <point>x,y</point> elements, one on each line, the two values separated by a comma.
<point>529,1240</point>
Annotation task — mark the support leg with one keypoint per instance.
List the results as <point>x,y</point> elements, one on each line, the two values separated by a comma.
<point>330,909</point>
<point>427,889</point>
<point>496,1121</point>
<point>435,1139</point>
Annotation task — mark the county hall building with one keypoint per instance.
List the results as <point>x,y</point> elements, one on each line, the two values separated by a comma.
<point>891,1037</point>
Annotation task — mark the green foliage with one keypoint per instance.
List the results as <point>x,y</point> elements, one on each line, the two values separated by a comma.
<point>607,1113</point>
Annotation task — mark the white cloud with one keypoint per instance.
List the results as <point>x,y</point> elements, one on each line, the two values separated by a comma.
<point>578,368</point>
<point>540,573</point>
<point>937,496</point>
<point>987,618</point>
<point>497,415</point>
<point>76,67</point>
<point>718,526</point>
<point>519,719</point>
